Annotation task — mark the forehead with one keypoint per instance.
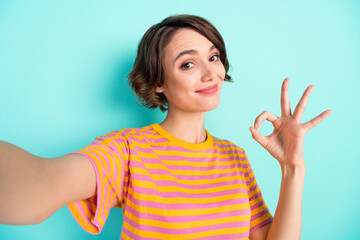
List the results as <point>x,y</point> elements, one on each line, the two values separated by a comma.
<point>186,39</point>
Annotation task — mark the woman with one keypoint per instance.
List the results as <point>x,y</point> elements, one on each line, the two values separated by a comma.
<point>174,180</point>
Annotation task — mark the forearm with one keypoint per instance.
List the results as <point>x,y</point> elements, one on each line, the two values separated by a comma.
<point>288,216</point>
<point>20,185</point>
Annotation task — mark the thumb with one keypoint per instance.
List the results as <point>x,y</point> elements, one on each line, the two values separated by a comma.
<point>261,139</point>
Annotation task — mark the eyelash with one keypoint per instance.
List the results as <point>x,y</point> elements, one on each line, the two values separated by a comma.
<point>183,65</point>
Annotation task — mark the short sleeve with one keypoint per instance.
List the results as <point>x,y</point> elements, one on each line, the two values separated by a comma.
<point>260,214</point>
<point>107,155</point>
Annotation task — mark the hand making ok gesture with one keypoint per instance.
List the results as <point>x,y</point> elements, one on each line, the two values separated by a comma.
<point>285,143</point>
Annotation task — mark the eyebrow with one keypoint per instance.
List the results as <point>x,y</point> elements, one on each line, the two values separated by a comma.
<point>192,51</point>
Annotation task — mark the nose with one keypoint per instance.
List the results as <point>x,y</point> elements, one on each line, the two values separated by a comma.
<point>207,72</point>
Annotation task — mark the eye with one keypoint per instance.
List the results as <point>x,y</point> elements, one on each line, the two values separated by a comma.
<point>216,57</point>
<point>186,65</point>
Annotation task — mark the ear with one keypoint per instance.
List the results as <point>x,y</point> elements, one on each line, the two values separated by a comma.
<point>160,89</point>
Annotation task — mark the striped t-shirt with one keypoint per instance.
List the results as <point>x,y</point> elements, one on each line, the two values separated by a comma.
<point>171,189</point>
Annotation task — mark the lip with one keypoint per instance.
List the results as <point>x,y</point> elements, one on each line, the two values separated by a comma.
<point>209,89</point>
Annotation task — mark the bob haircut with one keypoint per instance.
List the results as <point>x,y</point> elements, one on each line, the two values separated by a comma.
<point>148,71</point>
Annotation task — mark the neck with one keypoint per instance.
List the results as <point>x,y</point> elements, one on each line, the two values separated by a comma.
<point>187,126</point>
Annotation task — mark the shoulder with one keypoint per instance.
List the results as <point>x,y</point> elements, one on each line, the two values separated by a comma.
<point>233,151</point>
<point>125,135</point>
<point>228,144</point>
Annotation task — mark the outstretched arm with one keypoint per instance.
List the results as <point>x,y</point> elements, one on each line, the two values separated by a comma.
<point>33,188</point>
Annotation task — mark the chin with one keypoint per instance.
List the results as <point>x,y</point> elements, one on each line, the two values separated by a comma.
<point>196,105</point>
<point>208,107</point>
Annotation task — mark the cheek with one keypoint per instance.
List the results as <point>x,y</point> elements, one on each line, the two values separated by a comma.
<point>179,88</point>
<point>221,72</point>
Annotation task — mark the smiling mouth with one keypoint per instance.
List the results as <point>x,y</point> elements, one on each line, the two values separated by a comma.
<point>210,90</point>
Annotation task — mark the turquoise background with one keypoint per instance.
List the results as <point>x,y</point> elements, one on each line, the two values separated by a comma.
<point>63,66</point>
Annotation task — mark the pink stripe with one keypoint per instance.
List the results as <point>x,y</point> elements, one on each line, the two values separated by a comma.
<point>190,177</point>
<point>252,179</point>
<point>180,149</point>
<point>153,140</point>
<point>126,131</point>
<point>217,237</point>
<point>160,161</point>
<point>244,235</point>
<point>226,143</point>
<point>164,183</point>
<point>104,205</point>
<point>177,206</point>
<point>151,134</point>
<point>260,214</point>
<point>82,212</point>
<point>88,202</point>
<point>181,219</point>
<point>256,195</point>
<point>165,148</point>
<point>245,166</point>
<point>263,223</point>
<point>101,202</point>
<point>253,188</point>
<point>158,140</point>
<point>222,156</point>
<point>183,231</point>
<point>128,233</point>
<point>117,185</point>
<point>194,159</point>
<point>114,147</point>
<point>120,184</point>
<point>191,168</point>
<point>137,134</point>
<point>204,196</point>
<point>247,171</point>
<point>246,174</point>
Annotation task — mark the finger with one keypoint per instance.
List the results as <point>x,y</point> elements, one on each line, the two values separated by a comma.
<point>315,121</point>
<point>285,103</point>
<point>300,107</point>
<point>264,116</point>
<point>257,136</point>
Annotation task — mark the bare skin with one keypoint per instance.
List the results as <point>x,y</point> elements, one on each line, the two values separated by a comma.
<point>183,77</point>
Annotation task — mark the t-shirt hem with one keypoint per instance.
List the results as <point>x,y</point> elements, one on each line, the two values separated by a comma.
<point>263,223</point>
<point>81,218</point>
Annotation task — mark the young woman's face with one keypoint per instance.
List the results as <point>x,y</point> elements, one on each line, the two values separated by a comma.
<point>192,63</point>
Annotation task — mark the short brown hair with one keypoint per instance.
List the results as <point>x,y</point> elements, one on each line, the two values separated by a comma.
<point>148,71</point>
